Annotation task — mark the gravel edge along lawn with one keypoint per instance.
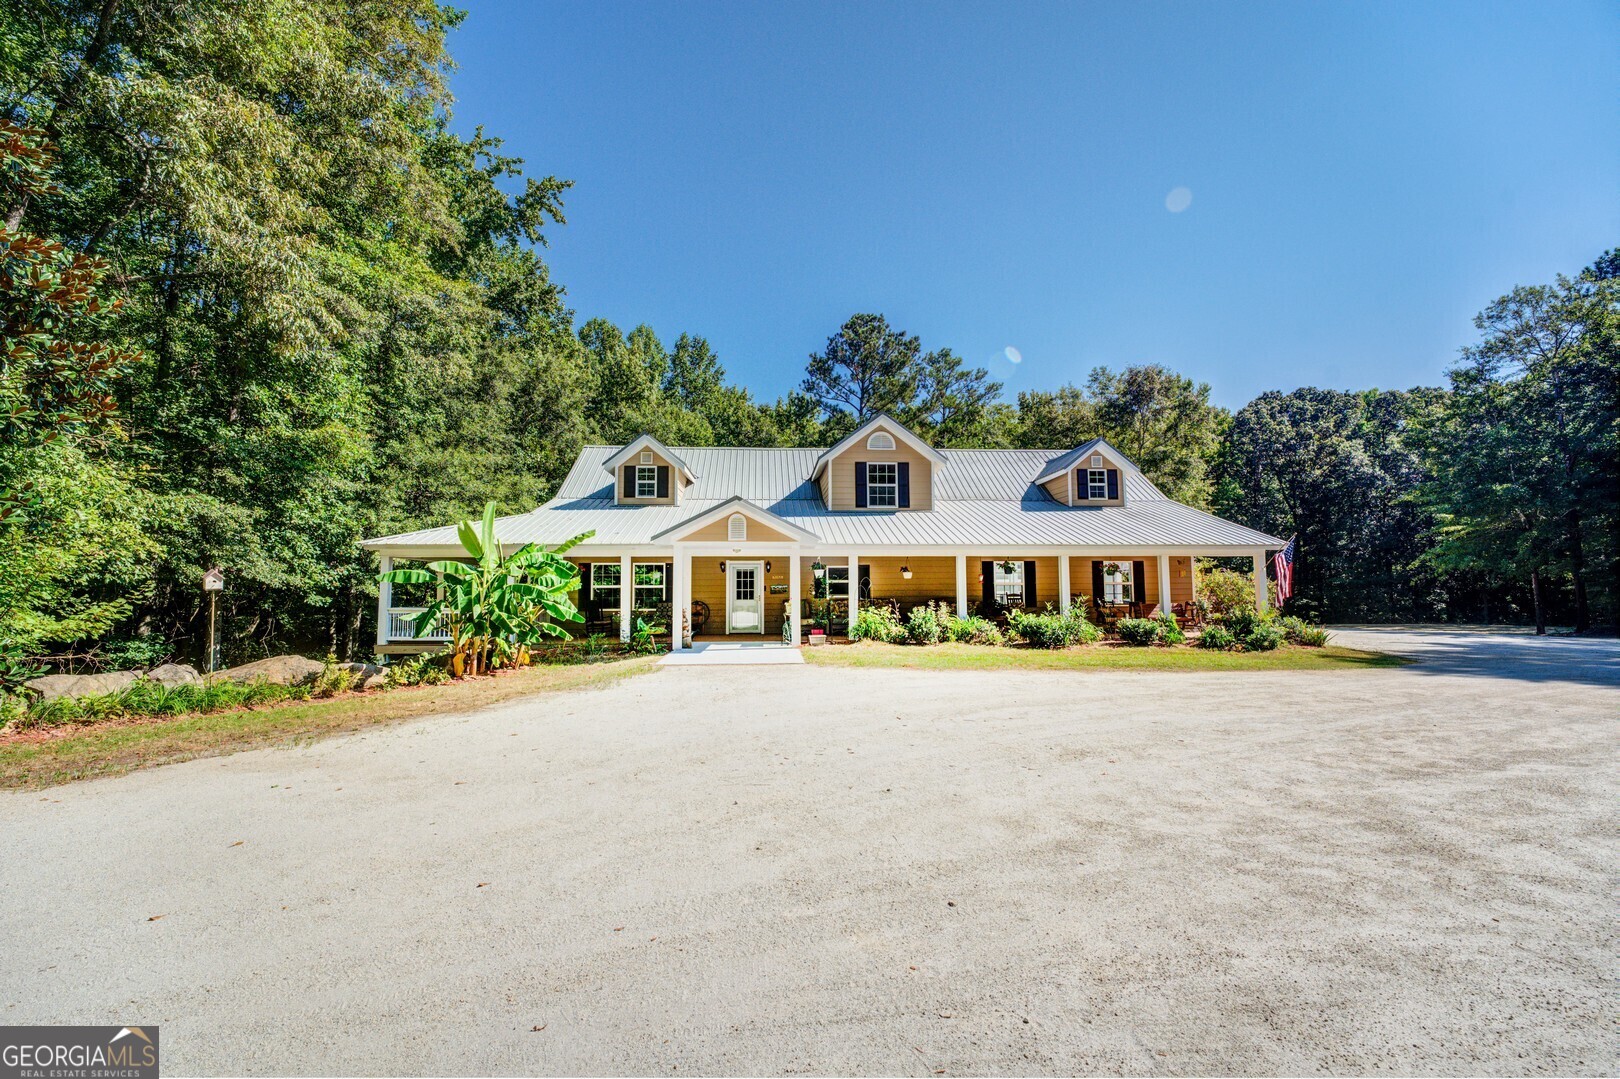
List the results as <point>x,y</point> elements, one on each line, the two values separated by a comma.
<point>52,755</point>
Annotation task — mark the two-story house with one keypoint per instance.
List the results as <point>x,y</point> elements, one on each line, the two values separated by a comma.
<point>738,538</point>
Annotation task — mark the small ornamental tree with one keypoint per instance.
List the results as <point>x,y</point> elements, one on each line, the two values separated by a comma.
<point>497,607</point>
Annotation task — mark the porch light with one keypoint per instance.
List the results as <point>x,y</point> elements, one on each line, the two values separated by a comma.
<point>905,571</point>
<point>767,567</point>
<point>722,567</point>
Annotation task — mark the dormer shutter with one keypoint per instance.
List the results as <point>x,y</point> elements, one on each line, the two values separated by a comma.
<point>1113,483</point>
<point>663,481</point>
<point>1082,485</point>
<point>904,473</point>
<point>629,473</point>
<point>860,485</point>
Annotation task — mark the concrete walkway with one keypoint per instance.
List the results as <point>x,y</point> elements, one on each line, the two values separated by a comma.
<point>733,654</point>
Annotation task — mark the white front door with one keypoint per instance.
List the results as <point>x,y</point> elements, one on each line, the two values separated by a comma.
<point>745,602</point>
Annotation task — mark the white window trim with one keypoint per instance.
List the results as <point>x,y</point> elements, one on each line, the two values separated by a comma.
<point>1123,588</point>
<point>891,487</point>
<point>880,440</point>
<point>999,577</point>
<point>647,476</point>
<point>838,575</point>
<point>1097,483</point>
<point>616,588</point>
<point>662,586</point>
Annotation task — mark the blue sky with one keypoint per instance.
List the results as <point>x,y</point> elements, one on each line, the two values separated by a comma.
<point>1363,178</point>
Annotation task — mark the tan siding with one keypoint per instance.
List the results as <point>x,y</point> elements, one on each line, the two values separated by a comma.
<point>1181,588</point>
<point>931,578</point>
<point>1058,489</point>
<point>657,459</point>
<point>709,585</point>
<point>1084,465</point>
<point>839,480</point>
<point>717,532</point>
<point>1180,585</point>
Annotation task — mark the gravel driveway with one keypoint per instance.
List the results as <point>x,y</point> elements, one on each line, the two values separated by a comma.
<point>805,870</point>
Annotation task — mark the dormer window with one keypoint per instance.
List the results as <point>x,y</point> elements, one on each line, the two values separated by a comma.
<point>882,485</point>
<point>1096,481</point>
<point>646,481</point>
<point>880,440</point>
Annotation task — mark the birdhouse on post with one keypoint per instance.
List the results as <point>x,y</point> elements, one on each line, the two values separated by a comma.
<point>213,584</point>
<point>214,580</point>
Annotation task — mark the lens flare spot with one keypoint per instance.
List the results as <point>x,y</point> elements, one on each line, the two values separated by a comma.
<point>1013,355</point>
<point>1178,200</point>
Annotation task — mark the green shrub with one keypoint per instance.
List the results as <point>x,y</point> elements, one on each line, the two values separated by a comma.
<point>642,641</point>
<point>1169,629</point>
<point>1138,631</point>
<point>1216,636</point>
<point>1049,629</point>
<point>135,653</point>
<point>922,625</point>
<point>1298,631</point>
<point>428,669</point>
<point>16,668</point>
<point>877,623</point>
<point>1263,638</point>
<point>1241,621</point>
<point>973,630</point>
<point>13,709</point>
<point>334,678</point>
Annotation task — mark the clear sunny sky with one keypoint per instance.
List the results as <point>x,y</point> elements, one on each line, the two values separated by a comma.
<point>1260,196</point>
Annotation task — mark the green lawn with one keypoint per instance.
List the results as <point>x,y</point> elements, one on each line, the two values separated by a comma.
<point>41,758</point>
<point>968,657</point>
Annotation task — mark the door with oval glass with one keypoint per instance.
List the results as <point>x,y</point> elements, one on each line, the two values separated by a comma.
<point>745,599</point>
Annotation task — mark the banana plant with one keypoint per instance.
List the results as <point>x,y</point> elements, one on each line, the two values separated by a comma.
<point>497,606</point>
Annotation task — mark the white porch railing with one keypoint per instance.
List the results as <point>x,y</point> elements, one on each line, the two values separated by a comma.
<point>402,625</point>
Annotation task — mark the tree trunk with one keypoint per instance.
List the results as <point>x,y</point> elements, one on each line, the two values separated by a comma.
<point>1577,571</point>
<point>1541,609</point>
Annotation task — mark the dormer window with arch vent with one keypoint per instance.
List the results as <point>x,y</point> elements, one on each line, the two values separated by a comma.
<point>880,440</point>
<point>737,528</point>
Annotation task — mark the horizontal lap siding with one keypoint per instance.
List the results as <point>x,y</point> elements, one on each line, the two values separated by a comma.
<point>1180,577</point>
<point>718,532</point>
<point>709,585</point>
<point>931,578</point>
<point>658,461</point>
<point>838,486</point>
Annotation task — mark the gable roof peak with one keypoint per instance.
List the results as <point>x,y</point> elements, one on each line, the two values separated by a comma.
<point>1060,464</point>
<point>645,441</point>
<point>889,423</point>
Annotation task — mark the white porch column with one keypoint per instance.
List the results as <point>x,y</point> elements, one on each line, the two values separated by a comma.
<point>677,589</point>
<point>794,617</point>
<point>1063,584</point>
<point>961,586</point>
<point>854,588</point>
<point>1164,584</point>
<point>1261,598</point>
<point>385,599</point>
<point>627,594</point>
<point>684,575</point>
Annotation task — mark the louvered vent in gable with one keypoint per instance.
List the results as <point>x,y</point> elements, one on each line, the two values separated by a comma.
<point>737,528</point>
<point>880,440</point>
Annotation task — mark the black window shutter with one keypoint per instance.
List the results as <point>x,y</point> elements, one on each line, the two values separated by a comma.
<point>663,481</point>
<point>629,481</point>
<point>1082,485</point>
<point>1097,582</point>
<point>1139,582</point>
<point>904,473</point>
<point>585,599</point>
<point>987,592</point>
<point>1029,586</point>
<point>669,580</point>
<point>860,485</point>
<point>1113,483</point>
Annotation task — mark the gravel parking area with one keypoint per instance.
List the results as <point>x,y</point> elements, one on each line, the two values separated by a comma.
<point>768,870</point>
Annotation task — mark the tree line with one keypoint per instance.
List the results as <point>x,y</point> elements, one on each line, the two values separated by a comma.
<point>261,301</point>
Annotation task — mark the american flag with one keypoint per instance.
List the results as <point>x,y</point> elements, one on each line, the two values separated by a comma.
<point>1283,566</point>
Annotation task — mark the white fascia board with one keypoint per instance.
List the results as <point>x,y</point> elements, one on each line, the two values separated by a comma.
<point>900,430</point>
<point>646,442</point>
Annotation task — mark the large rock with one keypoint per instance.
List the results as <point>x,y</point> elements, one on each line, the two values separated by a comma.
<point>363,672</point>
<point>174,674</point>
<point>52,686</point>
<point>278,670</point>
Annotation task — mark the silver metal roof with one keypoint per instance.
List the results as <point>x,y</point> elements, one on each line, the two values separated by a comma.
<point>985,498</point>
